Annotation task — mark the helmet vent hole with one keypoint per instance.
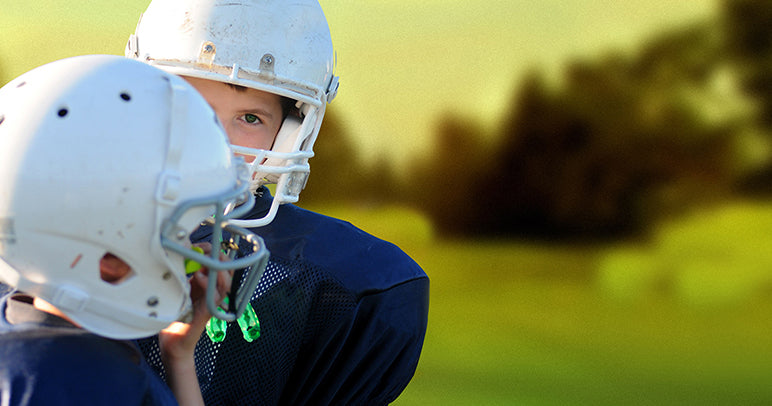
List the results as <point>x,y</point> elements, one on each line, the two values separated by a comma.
<point>114,270</point>
<point>62,112</point>
<point>21,84</point>
<point>125,96</point>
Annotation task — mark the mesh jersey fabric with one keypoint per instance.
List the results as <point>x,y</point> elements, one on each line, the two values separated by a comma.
<point>343,317</point>
<point>45,360</point>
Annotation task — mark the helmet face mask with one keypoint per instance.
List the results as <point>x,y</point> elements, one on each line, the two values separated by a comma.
<point>103,156</point>
<point>198,39</point>
<point>174,238</point>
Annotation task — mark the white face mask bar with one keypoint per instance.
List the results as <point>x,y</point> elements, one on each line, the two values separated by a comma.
<point>286,164</point>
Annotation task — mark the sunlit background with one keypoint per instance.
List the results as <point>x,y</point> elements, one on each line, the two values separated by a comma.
<point>586,182</point>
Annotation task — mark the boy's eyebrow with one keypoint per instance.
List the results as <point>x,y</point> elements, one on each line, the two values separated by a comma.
<point>257,110</point>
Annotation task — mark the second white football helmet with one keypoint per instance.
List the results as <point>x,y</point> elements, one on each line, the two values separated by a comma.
<point>101,155</point>
<point>277,46</point>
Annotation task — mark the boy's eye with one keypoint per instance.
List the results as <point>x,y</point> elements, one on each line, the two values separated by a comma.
<point>250,118</point>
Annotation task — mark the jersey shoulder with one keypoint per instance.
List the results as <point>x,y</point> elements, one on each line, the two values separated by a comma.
<point>76,367</point>
<point>361,260</point>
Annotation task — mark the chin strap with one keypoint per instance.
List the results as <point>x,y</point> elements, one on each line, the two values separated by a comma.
<point>75,303</point>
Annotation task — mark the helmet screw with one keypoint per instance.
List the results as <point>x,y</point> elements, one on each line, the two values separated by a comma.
<point>167,276</point>
<point>181,234</point>
<point>266,66</point>
<point>206,55</point>
<point>153,301</point>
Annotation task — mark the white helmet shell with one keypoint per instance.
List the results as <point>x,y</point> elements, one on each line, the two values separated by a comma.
<point>277,46</point>
<point>101,154</point>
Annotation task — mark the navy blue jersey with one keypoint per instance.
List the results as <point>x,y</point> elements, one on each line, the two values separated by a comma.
<point>45,360</point>
<point>343,317</point>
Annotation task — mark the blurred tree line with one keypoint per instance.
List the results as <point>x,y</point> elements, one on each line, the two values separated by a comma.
<point>619,142</point>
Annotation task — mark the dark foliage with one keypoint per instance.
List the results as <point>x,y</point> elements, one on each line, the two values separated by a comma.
<point>748,24</point>
<point>619,143</point>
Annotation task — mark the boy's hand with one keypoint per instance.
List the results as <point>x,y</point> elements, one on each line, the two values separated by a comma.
<point>178,341</point>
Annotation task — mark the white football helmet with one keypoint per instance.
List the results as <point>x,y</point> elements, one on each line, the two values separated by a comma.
<point>104,155</point>
<point>277,46</point>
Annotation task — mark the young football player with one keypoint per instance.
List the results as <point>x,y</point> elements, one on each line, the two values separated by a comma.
<point>106,167</point>
<point>343,314</point>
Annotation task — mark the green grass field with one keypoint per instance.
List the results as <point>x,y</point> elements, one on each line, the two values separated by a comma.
<point>534,324</point>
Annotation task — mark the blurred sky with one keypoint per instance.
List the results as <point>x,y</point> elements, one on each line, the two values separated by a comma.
<point>401,63</point>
